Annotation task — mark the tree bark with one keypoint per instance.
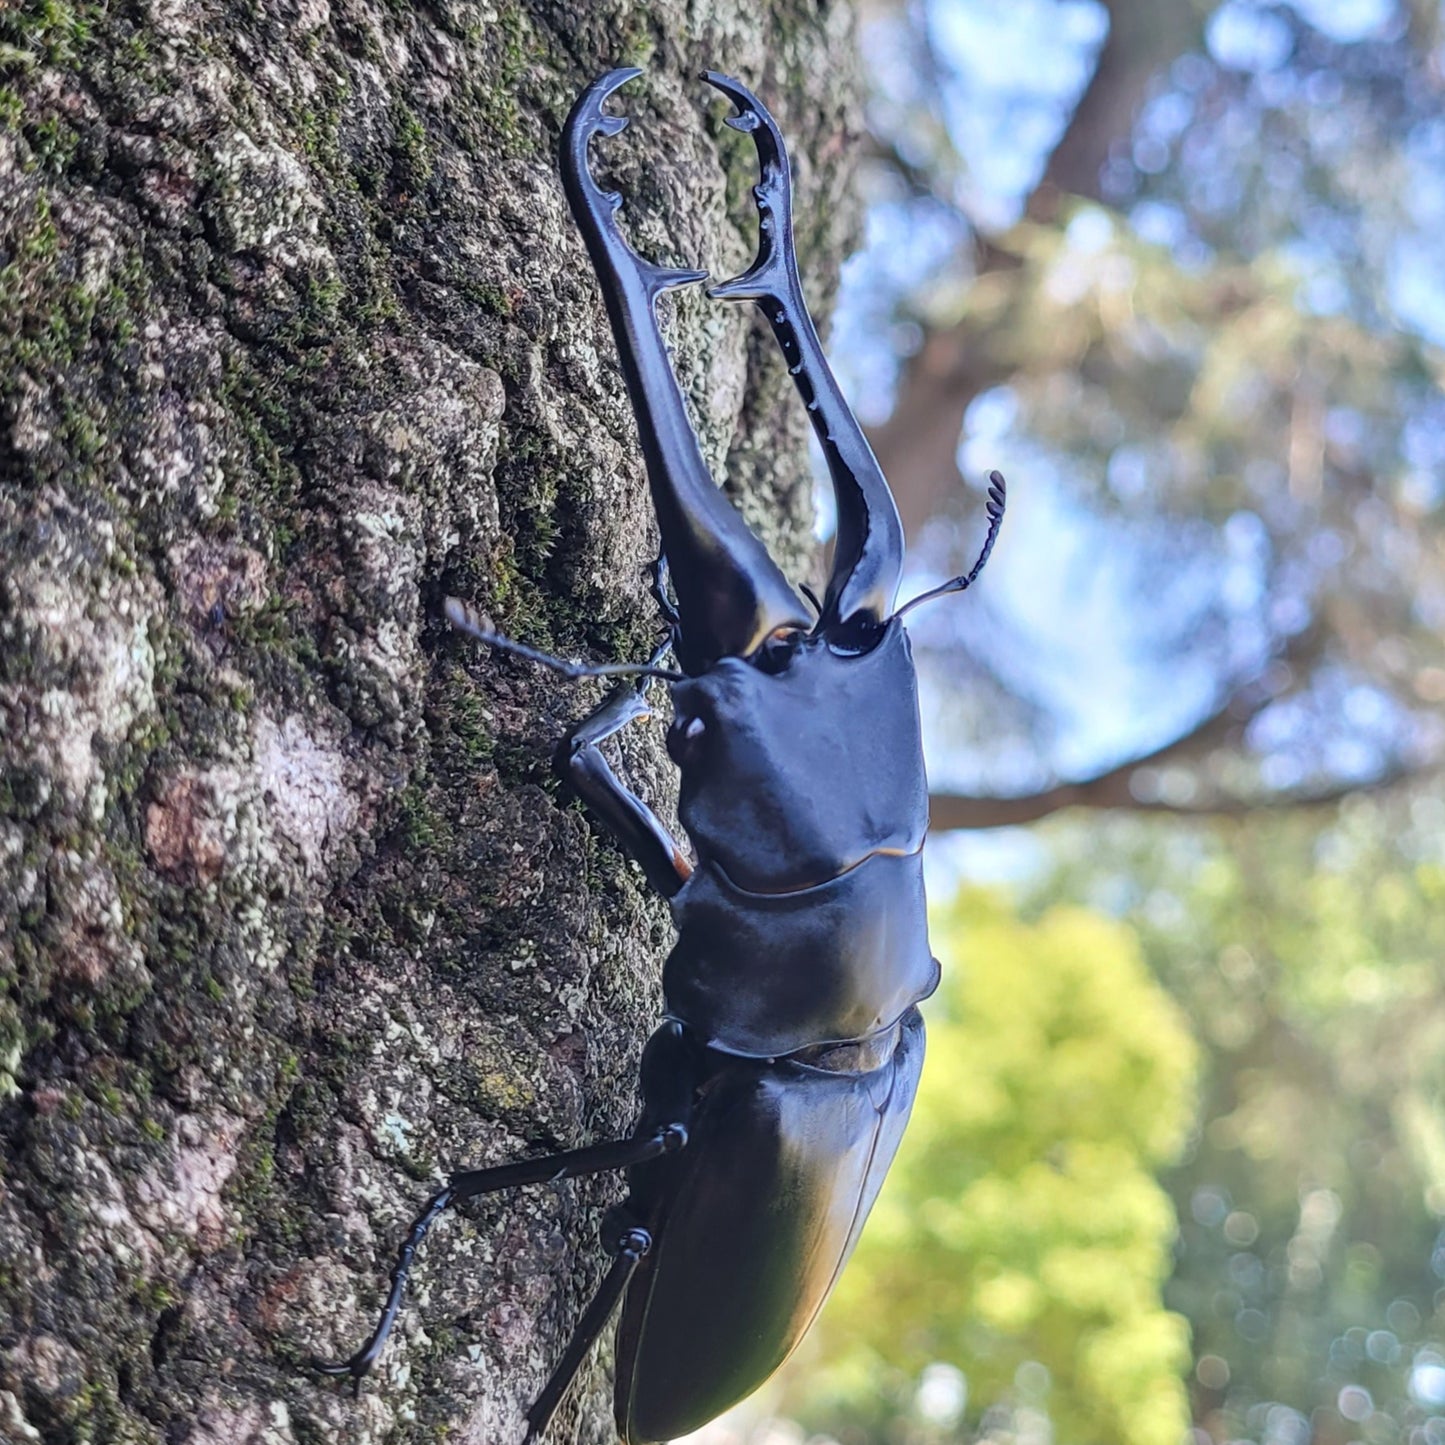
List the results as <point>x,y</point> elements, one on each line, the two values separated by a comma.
<point>298,338</point>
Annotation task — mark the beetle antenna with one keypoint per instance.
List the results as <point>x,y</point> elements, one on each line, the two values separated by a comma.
<point>997,499</point>
<point>466,618</point>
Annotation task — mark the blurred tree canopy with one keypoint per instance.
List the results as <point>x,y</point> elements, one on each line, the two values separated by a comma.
<point>1023,1230</point>
<point>1205,337</point>
<point>1175,268</point>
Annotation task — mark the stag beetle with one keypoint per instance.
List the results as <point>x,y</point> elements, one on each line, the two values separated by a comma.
<point>777,1087</point>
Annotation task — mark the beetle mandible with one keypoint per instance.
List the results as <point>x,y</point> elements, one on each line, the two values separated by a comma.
<point>776,1089</point>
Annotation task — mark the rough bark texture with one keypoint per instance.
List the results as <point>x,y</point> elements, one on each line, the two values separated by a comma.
<point>296,337</point>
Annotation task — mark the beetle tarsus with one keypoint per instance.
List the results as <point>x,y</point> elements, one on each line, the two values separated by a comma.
<point>366,1356</point>
<point>666,607</point>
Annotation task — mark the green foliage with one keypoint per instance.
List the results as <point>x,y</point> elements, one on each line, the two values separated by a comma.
<point>1308,950</point>
<point>1022,1225</point>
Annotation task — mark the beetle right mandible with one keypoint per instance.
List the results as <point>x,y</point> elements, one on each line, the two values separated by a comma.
<point>776,1089</point>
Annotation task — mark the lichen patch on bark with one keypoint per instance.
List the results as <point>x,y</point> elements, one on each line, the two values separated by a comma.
<point>248,1424</point>
<point>90,672</point>
<point>187,1196</point>
<point>302,780</point>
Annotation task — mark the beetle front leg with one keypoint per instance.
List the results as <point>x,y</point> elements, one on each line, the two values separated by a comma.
<point>636,827</point>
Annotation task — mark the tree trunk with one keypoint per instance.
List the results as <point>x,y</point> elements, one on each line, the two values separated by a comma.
<point>296,338</point>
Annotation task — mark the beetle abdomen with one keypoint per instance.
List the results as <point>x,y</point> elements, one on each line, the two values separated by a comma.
<point>767,974</point>
<point>751,1225</point>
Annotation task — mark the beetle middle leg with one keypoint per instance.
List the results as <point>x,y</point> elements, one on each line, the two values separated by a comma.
<point>669,1075</point>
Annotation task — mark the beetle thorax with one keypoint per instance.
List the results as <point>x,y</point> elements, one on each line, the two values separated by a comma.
<point>795,773</point>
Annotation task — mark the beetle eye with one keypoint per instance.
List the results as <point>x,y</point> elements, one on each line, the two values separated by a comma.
<point>776,654</point>
<point>684,738</point>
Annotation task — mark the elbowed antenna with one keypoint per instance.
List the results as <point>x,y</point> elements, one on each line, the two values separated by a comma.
<point>731,595</point>
<point>997,501</point>
<point>868,557</point>
<point>466,618</point>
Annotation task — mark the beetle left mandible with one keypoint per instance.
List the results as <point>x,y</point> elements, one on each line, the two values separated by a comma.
<point>777,1087</point>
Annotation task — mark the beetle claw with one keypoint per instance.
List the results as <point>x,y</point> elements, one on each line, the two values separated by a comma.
<point>868,558</point>
<point>357,1367</point>
<point>731,595</point>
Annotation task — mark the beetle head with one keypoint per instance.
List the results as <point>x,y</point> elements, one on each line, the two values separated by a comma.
<point>804,758</point>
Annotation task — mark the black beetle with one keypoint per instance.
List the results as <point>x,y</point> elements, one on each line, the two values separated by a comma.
<point>776,1090</point>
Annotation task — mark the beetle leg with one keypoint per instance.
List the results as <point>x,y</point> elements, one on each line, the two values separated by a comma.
<point>466,618</point>
<point>665,605</point>
<point>579,759</point>
<point>365,1357</point>
<point>670,1073</point>
<point>597,1159</point>
<point>731,595</point>
<point>868,559</point>
<point>628,1249</point>
<point>635,826</point>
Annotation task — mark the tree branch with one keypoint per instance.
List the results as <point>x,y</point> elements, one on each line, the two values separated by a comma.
<point>949,812</point>
<point>918,444</point>
<point>1116,787</point>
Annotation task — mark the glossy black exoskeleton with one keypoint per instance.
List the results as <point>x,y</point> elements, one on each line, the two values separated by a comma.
<point>776,1090</point>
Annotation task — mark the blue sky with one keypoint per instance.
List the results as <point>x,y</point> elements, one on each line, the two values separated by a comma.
<point>1062,584</point>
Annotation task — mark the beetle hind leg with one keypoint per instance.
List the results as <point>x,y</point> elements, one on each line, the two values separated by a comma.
<point>628,1247</point>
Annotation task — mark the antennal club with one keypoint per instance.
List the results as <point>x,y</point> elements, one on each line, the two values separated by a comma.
<point>997,500</point>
